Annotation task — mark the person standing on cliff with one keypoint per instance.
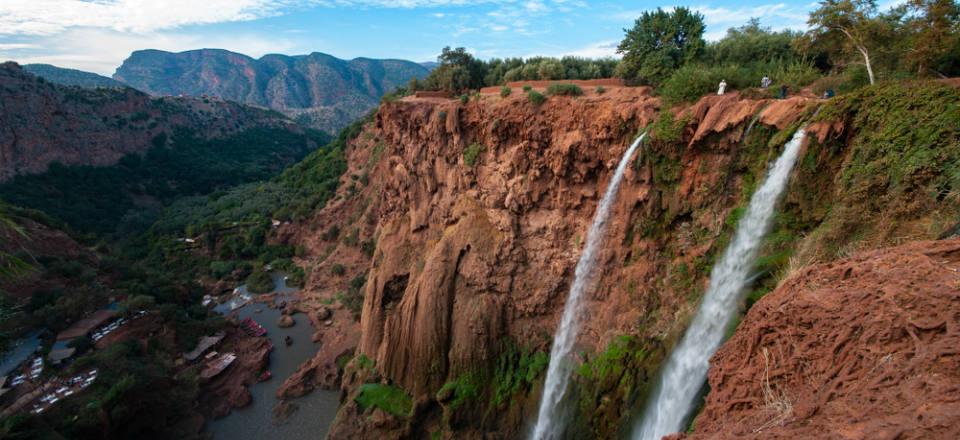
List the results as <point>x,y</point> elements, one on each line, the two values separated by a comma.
<point>723,87</point>
<point>783,91</point>
<point>765,82</point>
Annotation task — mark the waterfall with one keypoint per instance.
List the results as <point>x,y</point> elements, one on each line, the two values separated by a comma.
<point>686,370</point>
<point>549,421</point>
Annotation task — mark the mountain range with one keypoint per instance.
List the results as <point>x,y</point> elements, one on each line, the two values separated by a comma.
<point>71,77</point>
<point>317,90</point>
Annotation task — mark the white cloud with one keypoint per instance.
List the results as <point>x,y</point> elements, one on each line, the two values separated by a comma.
<point>46,17</point>
<point>778,16</point>
<point>600,49</point>
<point>102,51</point>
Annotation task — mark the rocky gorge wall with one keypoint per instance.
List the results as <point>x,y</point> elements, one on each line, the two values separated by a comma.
<point>472,217</point>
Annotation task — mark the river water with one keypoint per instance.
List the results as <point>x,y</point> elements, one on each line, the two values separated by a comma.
<point>316,410</point>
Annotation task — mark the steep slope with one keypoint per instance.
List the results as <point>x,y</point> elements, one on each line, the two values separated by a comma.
<point>864,347</point>
<point>472,216</point>
<point>41,122</point>
<point>71,77</point>
<point>317,89</point>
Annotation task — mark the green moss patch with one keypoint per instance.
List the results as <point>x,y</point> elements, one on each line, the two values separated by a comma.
<point>389,398</point>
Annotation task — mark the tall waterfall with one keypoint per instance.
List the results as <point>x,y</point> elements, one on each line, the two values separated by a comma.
<point>549,417</point>
<point>686,370</point>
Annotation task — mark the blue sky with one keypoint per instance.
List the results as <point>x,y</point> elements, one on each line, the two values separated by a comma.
<point>96,35</point>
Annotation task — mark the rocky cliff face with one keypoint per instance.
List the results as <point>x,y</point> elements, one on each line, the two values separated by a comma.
<point>865,347</point>
<point>317,89</point>
<point>41,122</point>
<point>474,216</point>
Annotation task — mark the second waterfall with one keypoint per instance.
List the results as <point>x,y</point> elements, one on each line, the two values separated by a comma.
<point>686,371</point>
<point>550,421</point>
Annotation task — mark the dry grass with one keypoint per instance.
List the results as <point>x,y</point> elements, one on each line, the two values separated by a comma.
<point>776,402</point>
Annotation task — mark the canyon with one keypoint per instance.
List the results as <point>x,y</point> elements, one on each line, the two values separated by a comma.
<point>475,214</point>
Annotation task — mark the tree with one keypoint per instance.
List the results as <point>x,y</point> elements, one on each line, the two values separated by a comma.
<point>934,26</point>
<point>857,20</point>
<point>659,43</point>
<point>458,71</point>
<point>752,43</point>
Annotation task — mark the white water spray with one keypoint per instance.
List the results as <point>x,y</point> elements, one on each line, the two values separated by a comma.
<point>549,423</point>
<point>686,370</point>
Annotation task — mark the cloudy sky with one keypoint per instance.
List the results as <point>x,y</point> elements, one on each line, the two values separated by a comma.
<point>97,35</point>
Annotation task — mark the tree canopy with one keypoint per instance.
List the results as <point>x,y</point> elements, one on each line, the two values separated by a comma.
<point>659,43</point>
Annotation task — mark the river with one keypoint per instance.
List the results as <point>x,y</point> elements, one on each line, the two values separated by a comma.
<point>316,410</point>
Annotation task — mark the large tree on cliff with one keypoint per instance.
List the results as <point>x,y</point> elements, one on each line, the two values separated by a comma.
<point>458,71</point>
<point>856,20</point>
<point>659,43</point>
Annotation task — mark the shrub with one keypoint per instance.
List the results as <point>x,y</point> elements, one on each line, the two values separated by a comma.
<point>564,89</point>
<point>527,88</point>
<point>464,98</point>
<point>260,281</point>
<point>338,269</point>
<point>505,91</point>
<point>536,98</point>
<point>471,153</point>
<point>389,398</point>
<point>600,90</point>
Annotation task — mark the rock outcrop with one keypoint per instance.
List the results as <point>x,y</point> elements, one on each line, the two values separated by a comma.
<point>865,347</point>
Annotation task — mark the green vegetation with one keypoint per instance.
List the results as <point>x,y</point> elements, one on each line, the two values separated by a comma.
<point>460,71</point>
<point>516,370</point>
<point>600,90</point>
<point>667,128</point>
<point>505,91</point>
<point>536,98</point>
<point>659,43</point>
<point>126,198</point>
<point>389,398</point>
<point>611,383</point>
<point>260,282</point>
<point>465,388</point>
<point>527,88</point>
<point>352,299</point>
<point>564,89</point>
<point>472,153</point>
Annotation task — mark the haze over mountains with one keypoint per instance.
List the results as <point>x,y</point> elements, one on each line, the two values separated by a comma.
<point>317,90</point>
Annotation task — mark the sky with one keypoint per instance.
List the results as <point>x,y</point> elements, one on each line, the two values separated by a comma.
<point>97,35</point>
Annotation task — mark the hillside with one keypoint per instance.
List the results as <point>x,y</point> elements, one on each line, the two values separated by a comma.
<point>71,77</point>
<point>42,122</point>
<point>105,160</point>
<point>317,90</point>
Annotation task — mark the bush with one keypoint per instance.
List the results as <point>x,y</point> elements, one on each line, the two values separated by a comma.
<point>600,90</point>
<point>260,281</point>
<point>338,269</point>
<point>536,98</point>
<point>471,153</point>
<point>505,91</point>
<point>527,88</point>
<point>464,98</point>
<point>389,398</point>
<point>564,89</point>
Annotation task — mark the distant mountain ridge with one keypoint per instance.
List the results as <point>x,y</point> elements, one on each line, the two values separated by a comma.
<point>317,90</point>
<point>71,77</point>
